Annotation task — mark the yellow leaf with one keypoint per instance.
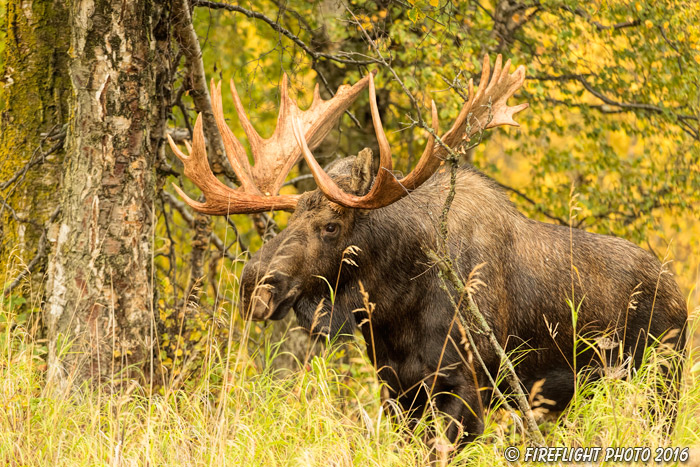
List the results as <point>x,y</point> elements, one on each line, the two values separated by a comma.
<point>195,336</point>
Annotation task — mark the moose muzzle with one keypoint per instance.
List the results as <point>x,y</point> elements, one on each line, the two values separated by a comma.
<point>267,297</point>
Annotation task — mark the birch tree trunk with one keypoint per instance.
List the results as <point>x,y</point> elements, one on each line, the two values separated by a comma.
<point>34,90</point>
<point>99,311</point>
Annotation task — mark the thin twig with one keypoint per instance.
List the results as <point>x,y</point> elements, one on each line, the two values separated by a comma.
<point>40,255</point>
<point>387,64</point>
<point>180,207</point>
<point>285,32</point>
<point>511,376</point>
<point>37,158</point>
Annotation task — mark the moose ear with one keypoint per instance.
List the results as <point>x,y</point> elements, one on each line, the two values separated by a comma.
<point>362,174</point>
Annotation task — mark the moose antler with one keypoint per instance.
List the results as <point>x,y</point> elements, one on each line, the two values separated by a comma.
<point>484,109</point>
<point>487,108</point>
<point>274,157</point>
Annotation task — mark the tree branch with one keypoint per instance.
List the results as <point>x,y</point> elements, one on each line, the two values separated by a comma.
<point>580,12</point>
<point>180,207</point>
<point>188,42</point>
<point>40,255</point>
<point>683,120</point>
<point>511,376</point>
<point>37,157</point>
<point>285,32</point>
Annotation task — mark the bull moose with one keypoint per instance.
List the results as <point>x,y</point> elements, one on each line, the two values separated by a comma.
<point>530,269</point>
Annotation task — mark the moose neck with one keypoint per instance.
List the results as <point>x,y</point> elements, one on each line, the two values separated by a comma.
<point>395,240</point>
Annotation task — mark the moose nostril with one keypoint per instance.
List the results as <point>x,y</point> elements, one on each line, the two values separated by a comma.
<point>261,304</point>
<point>259,300</point>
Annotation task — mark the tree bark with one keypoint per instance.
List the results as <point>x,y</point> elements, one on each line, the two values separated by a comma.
<point>99,312</point>
<point>34,91</point>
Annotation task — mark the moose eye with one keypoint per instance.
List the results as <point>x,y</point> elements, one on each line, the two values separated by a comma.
<point>331,229</point>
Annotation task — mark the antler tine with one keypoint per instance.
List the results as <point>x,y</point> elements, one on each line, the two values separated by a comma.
<point>274,156</point>
<point>221,199</point>
<point>384,147</point>
<point>495,74</point>
<point>386,189</point>
<point>484,108</point>
<point>254,138</point>
<point>286,105</point>
<point>196,166</point>
<point>317,95</point>
<point>485,74</point>
<point>234,149</point>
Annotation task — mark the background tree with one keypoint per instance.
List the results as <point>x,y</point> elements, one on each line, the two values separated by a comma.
<point>108,70</point>
<point>34,111</point>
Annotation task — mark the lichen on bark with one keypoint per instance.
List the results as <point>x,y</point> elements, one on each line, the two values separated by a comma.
<point>34,89</point>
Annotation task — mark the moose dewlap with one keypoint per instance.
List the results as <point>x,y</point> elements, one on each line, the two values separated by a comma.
<point>529,269</point>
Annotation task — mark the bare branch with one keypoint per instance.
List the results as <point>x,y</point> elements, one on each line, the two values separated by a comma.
<point>682,119</point>
<point>581,78</point>
<point>180,135</point>
<point>510,375</point>
<point>295,180</point>
<point>674,47</point>
<point>285,32</point>
<point>189,45</point>
<point>602,108</point>
<point>38,156</point>
<point>387,64</point>
<point>180,207</point>
<point>40,255</point>
<point>580,12</point>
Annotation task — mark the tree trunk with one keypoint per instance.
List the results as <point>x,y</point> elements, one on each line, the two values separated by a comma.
<point>99,312</point>
<point>34,90</point>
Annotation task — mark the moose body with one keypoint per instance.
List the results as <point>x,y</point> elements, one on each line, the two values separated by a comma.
<point>529,269</point>
<point>412,337</point>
